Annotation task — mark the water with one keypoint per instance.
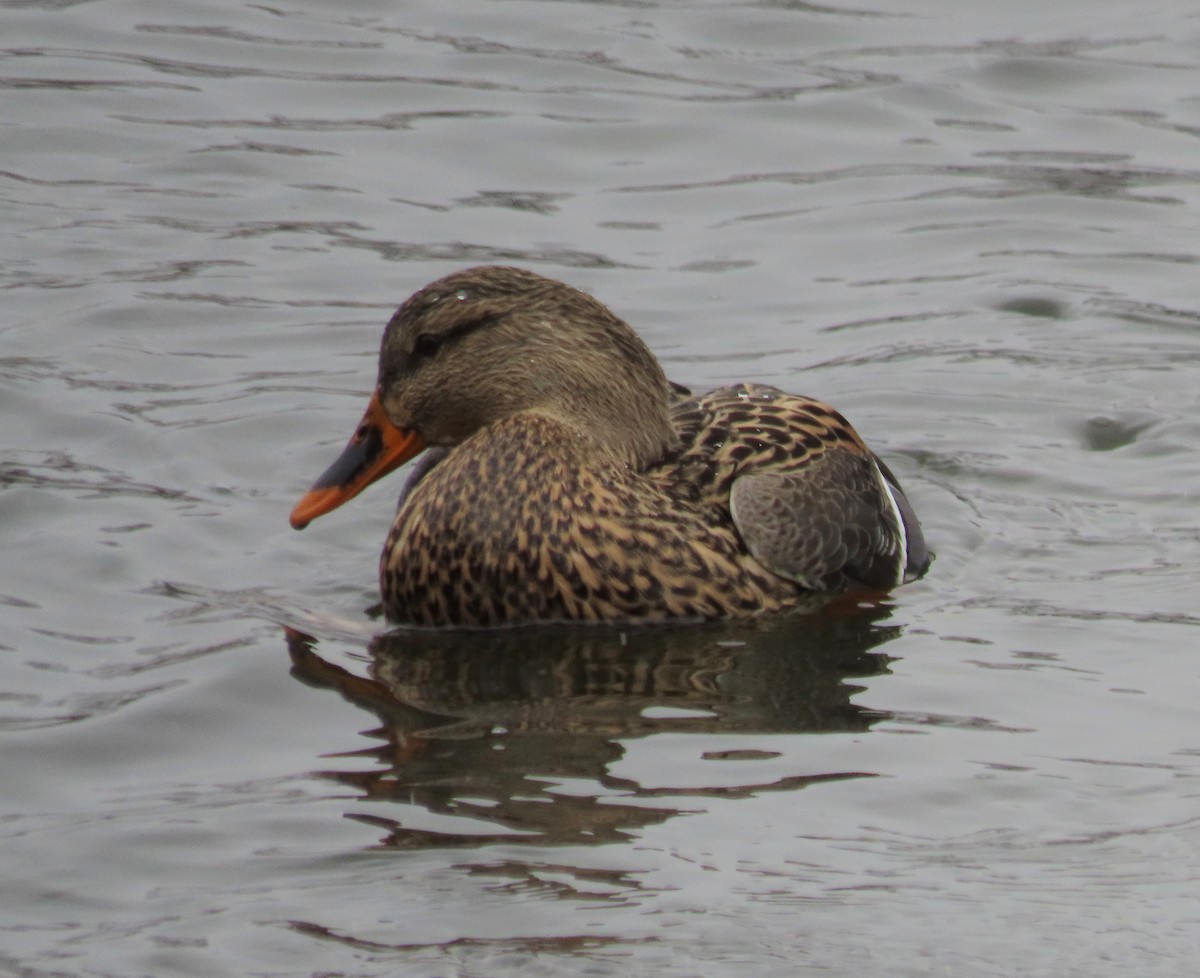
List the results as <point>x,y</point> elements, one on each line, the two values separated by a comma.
<point>972,227</point>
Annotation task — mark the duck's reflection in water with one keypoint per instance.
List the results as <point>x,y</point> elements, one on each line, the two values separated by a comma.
<point>492,725</point>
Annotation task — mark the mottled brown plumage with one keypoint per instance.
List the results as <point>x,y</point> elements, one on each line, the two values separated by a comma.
<point>571,481</point>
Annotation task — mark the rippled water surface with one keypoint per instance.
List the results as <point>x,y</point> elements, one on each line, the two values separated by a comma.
<point>974,227</point>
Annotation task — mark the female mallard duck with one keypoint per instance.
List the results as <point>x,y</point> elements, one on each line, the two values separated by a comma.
<point>569,480</point>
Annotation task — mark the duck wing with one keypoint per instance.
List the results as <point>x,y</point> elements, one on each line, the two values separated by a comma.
<point>809,499</point>
<point>825,524</point>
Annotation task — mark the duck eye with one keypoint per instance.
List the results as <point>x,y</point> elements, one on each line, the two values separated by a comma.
<point>426,345</point>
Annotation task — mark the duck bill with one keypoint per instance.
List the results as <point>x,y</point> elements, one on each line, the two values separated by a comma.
<point>377,448</point>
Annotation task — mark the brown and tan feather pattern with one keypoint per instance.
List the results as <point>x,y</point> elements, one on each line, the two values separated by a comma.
<point>571,481</point>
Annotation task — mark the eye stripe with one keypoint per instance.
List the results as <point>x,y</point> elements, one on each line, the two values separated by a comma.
<point>425,345</point>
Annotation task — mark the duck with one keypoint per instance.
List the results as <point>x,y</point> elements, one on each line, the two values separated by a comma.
<point>566,479</point>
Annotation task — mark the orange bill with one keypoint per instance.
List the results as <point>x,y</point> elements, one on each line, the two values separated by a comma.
<point>377,448</point>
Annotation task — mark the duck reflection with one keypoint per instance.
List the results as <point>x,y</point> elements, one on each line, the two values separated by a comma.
<point>520,728</point>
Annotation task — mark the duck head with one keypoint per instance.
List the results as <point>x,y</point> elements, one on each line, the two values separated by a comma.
<point>488,343</point>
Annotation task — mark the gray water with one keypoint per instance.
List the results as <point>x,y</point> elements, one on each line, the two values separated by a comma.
<point>974,227</point>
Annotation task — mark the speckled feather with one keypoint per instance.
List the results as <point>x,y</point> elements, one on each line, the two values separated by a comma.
<point>523,525</point>
<point>519,524</point>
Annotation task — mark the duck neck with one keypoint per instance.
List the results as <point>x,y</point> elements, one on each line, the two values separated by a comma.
<point>633,426</point>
